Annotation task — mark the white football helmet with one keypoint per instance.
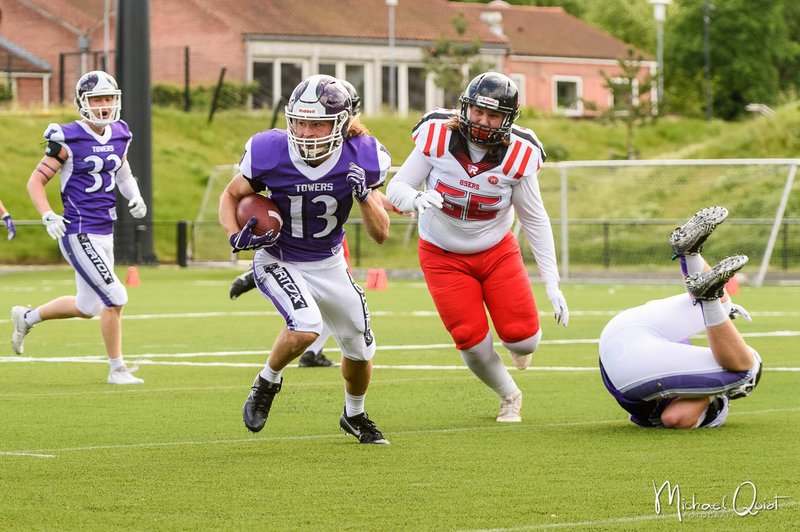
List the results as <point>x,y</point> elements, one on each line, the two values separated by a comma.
<point>98,83</point>
<point>320,98</point>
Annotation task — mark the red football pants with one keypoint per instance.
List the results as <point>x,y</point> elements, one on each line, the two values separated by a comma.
<point>460,285</point>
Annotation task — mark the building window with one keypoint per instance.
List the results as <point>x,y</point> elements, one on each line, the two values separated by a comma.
<point>291,76</point>
<point>568,96</point>
<point>385,80</point>
<point>416,89</point>
<point>355,75</point>
<point>328,69</point>
<point>262,73</point>
<point>624,95</point>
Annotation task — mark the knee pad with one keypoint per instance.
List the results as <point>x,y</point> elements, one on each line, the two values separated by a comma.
<point>465,335</point>
<point>360,347</point>
<point>526,346</point>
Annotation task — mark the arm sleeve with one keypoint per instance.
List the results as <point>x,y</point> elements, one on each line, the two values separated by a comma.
<point>403,187</point>
<point>528,204</point>
<point>127,184</point>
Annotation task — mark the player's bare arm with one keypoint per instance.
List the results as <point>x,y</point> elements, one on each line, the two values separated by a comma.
<point>41,175</point>
<point>229,199</point>
<point>376,219</point>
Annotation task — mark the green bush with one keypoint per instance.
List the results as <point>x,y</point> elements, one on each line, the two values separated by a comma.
<point>232,95</point>
<point>6,94</point>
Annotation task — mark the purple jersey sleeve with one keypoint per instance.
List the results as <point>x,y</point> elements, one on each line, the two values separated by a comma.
<point>88,176</point>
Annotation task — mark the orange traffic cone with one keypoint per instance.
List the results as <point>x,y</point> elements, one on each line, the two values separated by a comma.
<point>732,286</point>
<point>376,279</point>
<point>133,277</point>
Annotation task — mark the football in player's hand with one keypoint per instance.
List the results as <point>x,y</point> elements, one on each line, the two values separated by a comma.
<point>264,209</point>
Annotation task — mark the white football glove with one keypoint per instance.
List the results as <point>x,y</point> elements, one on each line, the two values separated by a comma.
<point>739,311</point>
<point>54,224</point>
<point>559,302</point>
<point>137,207</point>
<point>427,199</point>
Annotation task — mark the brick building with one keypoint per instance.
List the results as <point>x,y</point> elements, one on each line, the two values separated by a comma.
<point>554,57</point>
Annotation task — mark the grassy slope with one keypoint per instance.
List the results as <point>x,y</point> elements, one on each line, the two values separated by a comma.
<point>186,147</point>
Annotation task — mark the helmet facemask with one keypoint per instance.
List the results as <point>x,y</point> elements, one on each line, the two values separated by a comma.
<point>494,92</point>
<point>93,84</point>
<point>320,98</point>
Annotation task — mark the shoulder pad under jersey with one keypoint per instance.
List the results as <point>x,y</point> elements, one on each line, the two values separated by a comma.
<point>265,148</point>
<point>524,156</point>
<point>431,135</point>
<point>54,133</point>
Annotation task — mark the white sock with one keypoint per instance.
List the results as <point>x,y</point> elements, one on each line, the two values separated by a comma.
<point>116,363</point>
<point>32,317</point>
<point>694,264</point>
<point>270,375</point>
<point>353,404</point>
<point>713,312</point>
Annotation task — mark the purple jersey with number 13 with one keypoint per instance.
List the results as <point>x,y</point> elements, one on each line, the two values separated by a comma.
<point>314,210</point>
<point>88,176</point>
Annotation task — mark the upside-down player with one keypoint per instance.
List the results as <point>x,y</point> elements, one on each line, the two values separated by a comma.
<point>646,360</point>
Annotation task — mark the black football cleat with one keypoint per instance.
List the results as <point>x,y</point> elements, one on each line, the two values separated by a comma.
<point>243,283</point>
<point>362,428</point>
<point>710,285</point>
<point>256,407</point>
<point>689,238</point>
<point>310,359</point>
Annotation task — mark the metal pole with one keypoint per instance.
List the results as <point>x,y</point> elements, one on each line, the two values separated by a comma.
<point>707,7</point>
<point>660,59</point>
<point>392,81</point>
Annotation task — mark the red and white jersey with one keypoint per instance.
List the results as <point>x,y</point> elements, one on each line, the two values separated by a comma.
<point>480,196</point>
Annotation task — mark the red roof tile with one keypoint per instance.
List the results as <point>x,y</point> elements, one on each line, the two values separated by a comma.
<point>552,32</point>
<point>415,20</point>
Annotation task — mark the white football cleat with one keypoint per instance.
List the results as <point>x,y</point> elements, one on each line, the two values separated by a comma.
<point>521,361</point>
<point>123,376</point>
<point>510,408</point>
<point>21,329</point>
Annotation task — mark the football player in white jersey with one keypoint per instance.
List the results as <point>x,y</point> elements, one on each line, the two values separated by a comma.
<point>646,360</point>
<point>478,168</point>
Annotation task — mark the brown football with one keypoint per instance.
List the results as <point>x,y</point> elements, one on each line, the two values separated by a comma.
<point>263,208</point>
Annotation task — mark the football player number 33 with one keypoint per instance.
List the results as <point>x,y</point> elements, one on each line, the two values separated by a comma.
<point>465,204</point>
<point>96,172</point>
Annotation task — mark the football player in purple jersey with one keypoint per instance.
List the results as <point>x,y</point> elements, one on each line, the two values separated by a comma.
<point>313,357</point>
<point>90,156</point>
<point>646,360</point>
<point>8,221</point>
<point>314,171</point>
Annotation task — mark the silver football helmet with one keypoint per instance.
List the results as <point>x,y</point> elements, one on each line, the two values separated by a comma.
<point>319,98</point>
<point>98,83</point>
<point>747,387</point>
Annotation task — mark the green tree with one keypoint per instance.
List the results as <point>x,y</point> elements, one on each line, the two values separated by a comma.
<point>749,41</point>
<point>631,104</point>
<point>446,59</point>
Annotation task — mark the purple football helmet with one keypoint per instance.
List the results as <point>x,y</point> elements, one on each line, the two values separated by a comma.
<point>354,97</point>
<point>319,98</point>
<point>98,83</point>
